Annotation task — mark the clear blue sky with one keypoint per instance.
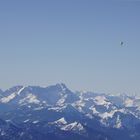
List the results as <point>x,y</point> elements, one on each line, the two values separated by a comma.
<point>76,42</point>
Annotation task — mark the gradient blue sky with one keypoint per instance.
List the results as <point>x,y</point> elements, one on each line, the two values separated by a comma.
<point>76,42</point>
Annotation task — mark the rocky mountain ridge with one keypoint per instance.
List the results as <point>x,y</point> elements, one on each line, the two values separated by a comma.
<point>55,112</point>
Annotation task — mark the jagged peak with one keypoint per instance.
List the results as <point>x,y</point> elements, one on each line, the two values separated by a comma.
<point>62,86</point>
<point>15,88</point>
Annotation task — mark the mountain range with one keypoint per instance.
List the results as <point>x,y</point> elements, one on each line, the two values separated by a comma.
<point>57,113</point>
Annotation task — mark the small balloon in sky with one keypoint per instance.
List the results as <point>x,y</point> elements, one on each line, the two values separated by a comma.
<point>122,43</point>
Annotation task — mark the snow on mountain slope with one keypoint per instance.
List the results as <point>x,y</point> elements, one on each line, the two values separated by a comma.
<point>56,94</point>
<point>59,123</point>
<point>30,98</point>
<point>129,102</point>
<point>65,126</point>
<point>57,107</point>
<point>75,126</point>
<point>10,97</point>
<point>101,100</point>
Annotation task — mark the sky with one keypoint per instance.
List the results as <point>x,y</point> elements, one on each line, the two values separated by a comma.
<point>76,42</point>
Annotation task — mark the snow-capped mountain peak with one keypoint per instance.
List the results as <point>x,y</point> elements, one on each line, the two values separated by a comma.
<point>75,126</point>
<point>61,121</point>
